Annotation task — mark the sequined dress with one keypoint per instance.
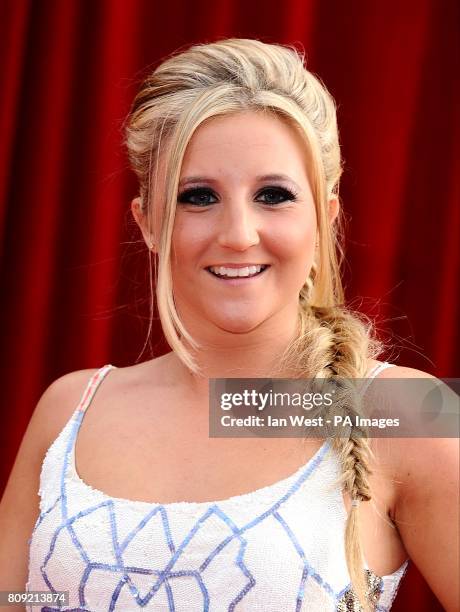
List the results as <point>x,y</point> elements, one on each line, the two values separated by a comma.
<point>277,549</point>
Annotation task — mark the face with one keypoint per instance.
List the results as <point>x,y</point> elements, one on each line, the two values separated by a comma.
<point>234,220</point>
<point>245,227</point>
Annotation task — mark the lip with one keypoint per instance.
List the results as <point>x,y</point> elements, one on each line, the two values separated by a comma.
<point>238,280</point>
<point>240,265</point>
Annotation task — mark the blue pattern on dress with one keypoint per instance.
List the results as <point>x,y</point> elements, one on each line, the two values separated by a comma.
<point>163,576</point>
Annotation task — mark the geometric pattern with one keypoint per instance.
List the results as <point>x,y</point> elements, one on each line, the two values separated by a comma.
<point>136,580</point>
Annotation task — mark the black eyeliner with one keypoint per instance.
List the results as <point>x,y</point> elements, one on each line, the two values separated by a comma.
<point>289,195</point>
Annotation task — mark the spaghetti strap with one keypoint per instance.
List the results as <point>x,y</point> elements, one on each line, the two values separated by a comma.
<point>379,368</point>
<point>92,386</point>
<point>373,373</point>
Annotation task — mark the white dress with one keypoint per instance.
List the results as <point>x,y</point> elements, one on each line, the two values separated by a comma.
<point>277,549</point>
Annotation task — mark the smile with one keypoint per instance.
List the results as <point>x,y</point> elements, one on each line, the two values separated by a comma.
<point>242,272</point>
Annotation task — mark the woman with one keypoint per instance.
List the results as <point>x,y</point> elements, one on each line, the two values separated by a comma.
<point>236,149</point>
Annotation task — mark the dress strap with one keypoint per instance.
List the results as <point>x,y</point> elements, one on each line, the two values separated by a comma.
<point>68,469</point>
<point>92,386</point>
<point>373,373</point>
<point>379,368</point>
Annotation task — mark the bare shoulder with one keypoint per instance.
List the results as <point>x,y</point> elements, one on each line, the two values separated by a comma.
<point>424,469</point>
<point>52,411</point>
<point>415,455</point>
<point>19,507</point>
<point>57,404</point>
<point>61,398</point>
<point>155,375</point>
<point>397,371</point>
<point>425,506</point>
<point>416,464</point>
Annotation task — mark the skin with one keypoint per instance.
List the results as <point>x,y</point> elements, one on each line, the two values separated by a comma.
<point>414,483</point>
<point>240,227</point>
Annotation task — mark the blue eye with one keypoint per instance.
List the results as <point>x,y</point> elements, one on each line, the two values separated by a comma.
<point>201,195</point>
<point>198,196</point>
<point>281,195</point>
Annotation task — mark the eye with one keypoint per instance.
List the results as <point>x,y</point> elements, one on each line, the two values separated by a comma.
<point>277,195</point>
<point>200,194</point>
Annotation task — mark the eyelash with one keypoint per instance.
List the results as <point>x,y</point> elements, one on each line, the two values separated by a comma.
<point>183,198</point>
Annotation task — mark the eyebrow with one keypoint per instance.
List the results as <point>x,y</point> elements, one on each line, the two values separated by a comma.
<point>264,177</point>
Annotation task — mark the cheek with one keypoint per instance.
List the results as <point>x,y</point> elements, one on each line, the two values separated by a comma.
<point>295,241</point>
<point>290,239</point>
<point>189,239</point>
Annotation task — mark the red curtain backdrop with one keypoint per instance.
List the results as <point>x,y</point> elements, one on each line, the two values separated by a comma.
<point>74,270</point>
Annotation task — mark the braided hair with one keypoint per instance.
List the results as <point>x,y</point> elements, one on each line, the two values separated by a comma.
<point>235,75</point>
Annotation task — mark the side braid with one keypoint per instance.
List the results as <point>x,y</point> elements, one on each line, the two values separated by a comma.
<point>347,358</point>
<point>335,342</point>
<point>221,78</point>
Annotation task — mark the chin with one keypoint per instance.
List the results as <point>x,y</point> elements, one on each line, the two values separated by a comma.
<point>238,324</point>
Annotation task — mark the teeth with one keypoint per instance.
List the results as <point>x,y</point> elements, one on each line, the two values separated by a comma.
<point>234,272</point>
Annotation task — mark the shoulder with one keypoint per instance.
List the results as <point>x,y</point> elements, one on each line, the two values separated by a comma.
<point>57,404</point>
<point>61,398</point>
<point>418,464</point>
<point>112,387</point>
<point>153,375</point>
<point>426,478</point>
<point>397,371</point>
<point>64,393</point>
<point>397,396</point>
<point>19,506</point>
<point>54,408</point>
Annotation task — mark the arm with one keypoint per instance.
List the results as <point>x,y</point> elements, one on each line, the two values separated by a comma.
<point>427,513</point>
<point>426,509</point>
<point>19,508</point>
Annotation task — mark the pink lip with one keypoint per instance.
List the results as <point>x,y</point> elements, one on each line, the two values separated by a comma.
<point>239,280</point>
<point>230,265</point>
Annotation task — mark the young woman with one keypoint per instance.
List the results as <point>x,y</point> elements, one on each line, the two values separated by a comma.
<point>236,149</point>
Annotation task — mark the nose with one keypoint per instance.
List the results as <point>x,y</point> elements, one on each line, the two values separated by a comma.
<point>238,227</point>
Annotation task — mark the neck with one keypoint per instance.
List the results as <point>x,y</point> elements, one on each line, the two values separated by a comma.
<point>254,354</point>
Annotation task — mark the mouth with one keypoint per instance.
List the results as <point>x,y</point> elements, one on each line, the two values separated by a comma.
<point>241,273</point>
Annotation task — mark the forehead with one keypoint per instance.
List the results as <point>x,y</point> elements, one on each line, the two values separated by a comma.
<point>246,142</point>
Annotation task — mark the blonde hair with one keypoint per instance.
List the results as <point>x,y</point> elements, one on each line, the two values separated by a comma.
<point>230,76</point>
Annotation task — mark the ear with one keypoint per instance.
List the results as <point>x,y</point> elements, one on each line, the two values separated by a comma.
<point>141,219</point>
<point>334,207</point>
